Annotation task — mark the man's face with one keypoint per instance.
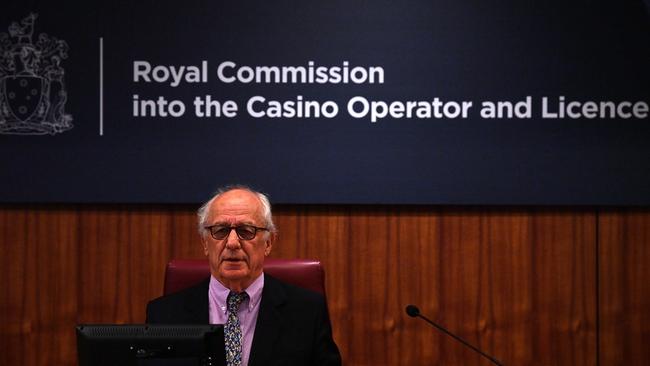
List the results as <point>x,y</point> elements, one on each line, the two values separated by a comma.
<point>235,262</point>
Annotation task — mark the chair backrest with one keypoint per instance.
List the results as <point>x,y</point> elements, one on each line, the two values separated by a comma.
<point>305,273</point>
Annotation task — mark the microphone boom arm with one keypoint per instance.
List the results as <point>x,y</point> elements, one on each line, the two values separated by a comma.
<point>413,311</point>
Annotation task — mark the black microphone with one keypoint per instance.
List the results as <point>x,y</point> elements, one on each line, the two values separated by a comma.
<point>413,312</point>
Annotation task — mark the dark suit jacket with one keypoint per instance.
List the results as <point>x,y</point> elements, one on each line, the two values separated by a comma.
<point>293,326</point>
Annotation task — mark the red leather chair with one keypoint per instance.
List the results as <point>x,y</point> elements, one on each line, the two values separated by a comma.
<point>305,273</point>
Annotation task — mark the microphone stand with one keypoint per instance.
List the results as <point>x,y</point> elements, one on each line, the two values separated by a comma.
<point>414,312</point>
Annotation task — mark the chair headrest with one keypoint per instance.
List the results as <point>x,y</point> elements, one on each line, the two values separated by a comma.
<point>305,273</point>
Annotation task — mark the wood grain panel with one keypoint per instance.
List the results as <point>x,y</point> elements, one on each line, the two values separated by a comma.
<point>39,257</point>
<point>564,300</point>
<point>123,254</point>
<point>184,241</point>
<point>519,283</point>
<point>513,283</point>
<point>624,287</point>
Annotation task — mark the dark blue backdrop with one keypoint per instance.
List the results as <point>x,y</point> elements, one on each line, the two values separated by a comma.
<point>454,50</point>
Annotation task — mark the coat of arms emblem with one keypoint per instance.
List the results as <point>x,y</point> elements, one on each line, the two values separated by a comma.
<point>32,87</point>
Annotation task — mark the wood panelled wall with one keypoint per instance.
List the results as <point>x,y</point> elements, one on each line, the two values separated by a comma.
<point>531,286</point>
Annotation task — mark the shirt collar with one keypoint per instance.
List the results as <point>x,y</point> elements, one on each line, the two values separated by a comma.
<point>219,293</point>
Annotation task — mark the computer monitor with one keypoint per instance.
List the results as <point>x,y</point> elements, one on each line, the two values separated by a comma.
<point>150,345</point>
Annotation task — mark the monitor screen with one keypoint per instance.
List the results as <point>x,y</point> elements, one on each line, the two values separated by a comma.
<point>150,345</point>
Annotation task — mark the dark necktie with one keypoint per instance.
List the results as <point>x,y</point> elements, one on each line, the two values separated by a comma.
<point>232,331</point>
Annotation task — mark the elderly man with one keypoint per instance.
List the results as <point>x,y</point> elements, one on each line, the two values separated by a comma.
<point>267,322</point>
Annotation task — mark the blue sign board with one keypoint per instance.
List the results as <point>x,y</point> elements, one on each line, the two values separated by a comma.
<point>326,102</point>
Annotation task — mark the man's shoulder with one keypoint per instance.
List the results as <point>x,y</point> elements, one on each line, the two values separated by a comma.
<point>281,290</point>
<point>190,292</point>
<point>188,305</point>
<point>298,320</point>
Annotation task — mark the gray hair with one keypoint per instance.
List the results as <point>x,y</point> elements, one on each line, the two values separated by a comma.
<point>202,212</point>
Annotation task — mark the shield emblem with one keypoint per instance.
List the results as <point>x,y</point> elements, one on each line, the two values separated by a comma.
<point>23,95</point>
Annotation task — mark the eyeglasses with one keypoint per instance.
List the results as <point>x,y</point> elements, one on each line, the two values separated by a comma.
<point>244,232</point>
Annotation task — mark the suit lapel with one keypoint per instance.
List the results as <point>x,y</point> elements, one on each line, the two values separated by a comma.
<point>269,321</point>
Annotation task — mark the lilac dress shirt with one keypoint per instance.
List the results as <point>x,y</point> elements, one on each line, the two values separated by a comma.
<point>248,310</point>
